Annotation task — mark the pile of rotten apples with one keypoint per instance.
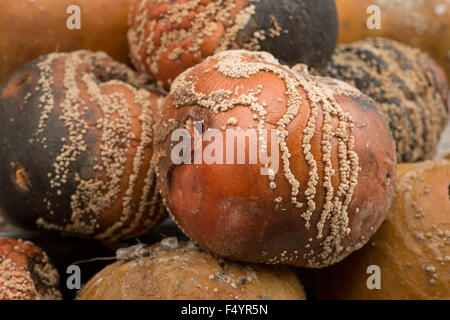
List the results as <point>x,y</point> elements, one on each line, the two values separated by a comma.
<point>90,149</point>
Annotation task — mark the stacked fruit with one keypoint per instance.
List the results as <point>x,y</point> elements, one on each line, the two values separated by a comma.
<point>270,148</point>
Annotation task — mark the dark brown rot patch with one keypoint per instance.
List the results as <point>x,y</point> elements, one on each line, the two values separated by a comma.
<point>294,31</point>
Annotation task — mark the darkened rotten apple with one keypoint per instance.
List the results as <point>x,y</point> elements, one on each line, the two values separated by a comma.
<point>180,270</point>
<point>408,87</point>
<point>26,273</point>
<point>167,37</point>
<point>76,143</point>
<point>321,198</point>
